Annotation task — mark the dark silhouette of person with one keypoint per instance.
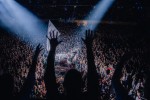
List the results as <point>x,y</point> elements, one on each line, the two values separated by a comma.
<point>7,82</point>
<point>6,87</point>
<point>120,91</point>
<point>73,83</point>
<point>147,87</point>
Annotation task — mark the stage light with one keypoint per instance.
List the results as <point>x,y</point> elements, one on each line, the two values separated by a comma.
<point>98,13</point>
<point>22,22</point>
<point>94,17</point>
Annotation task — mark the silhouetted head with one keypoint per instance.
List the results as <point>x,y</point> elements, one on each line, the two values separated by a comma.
<point>73,82</point>
<point>6,86</point>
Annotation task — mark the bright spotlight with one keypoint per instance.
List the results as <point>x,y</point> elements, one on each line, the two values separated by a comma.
<point>21,22</point>
<point>98,12</point>
<point>95,17</point>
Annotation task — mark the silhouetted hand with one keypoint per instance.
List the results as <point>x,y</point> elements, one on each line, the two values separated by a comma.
<point>89,37</point>
<point>38,49</point>
<point>30,81</point>
<point>53,39</point>
<point>121,92</point>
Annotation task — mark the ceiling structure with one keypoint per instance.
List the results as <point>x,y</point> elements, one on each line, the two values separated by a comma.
<point>122,10</point>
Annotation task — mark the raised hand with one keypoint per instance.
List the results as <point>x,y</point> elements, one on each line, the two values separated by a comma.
<point>49,76</point>
<point>89,37</point>
<point>30,81</point>
<point>121,92</point>
<point>38,49</point>
<point>53,39</point>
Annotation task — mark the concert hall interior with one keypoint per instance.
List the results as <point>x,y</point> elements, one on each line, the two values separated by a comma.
<point>74,50</point>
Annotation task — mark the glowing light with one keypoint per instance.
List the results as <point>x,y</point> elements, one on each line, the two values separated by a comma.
<point>98,12</point>
<point>21,22</point>
<point>94,18</point>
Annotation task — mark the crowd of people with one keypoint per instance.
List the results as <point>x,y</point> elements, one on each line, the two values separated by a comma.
<point>108,48</point>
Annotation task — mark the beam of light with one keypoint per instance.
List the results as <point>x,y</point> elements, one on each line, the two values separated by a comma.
<point>94,18</point>
<point>98,13</point>
<point>21,22</point>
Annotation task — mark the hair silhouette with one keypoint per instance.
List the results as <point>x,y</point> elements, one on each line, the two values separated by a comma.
<point>73,82</point>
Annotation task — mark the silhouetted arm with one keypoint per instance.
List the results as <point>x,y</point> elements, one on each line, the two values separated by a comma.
<point>121,92</point>
<point>147,85</point>
<point>92,75</point>
<point>29,83</point>
<point>49,77</point>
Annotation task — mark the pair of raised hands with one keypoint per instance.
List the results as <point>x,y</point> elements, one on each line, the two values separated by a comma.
<point>53,40</point>
<point>89,37</point>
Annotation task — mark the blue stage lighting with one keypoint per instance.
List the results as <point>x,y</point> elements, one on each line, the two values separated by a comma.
<point>98,13</point>
<point>21,22</point>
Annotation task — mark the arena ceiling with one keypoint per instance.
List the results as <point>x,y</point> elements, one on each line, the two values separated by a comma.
<point>122,10</point>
